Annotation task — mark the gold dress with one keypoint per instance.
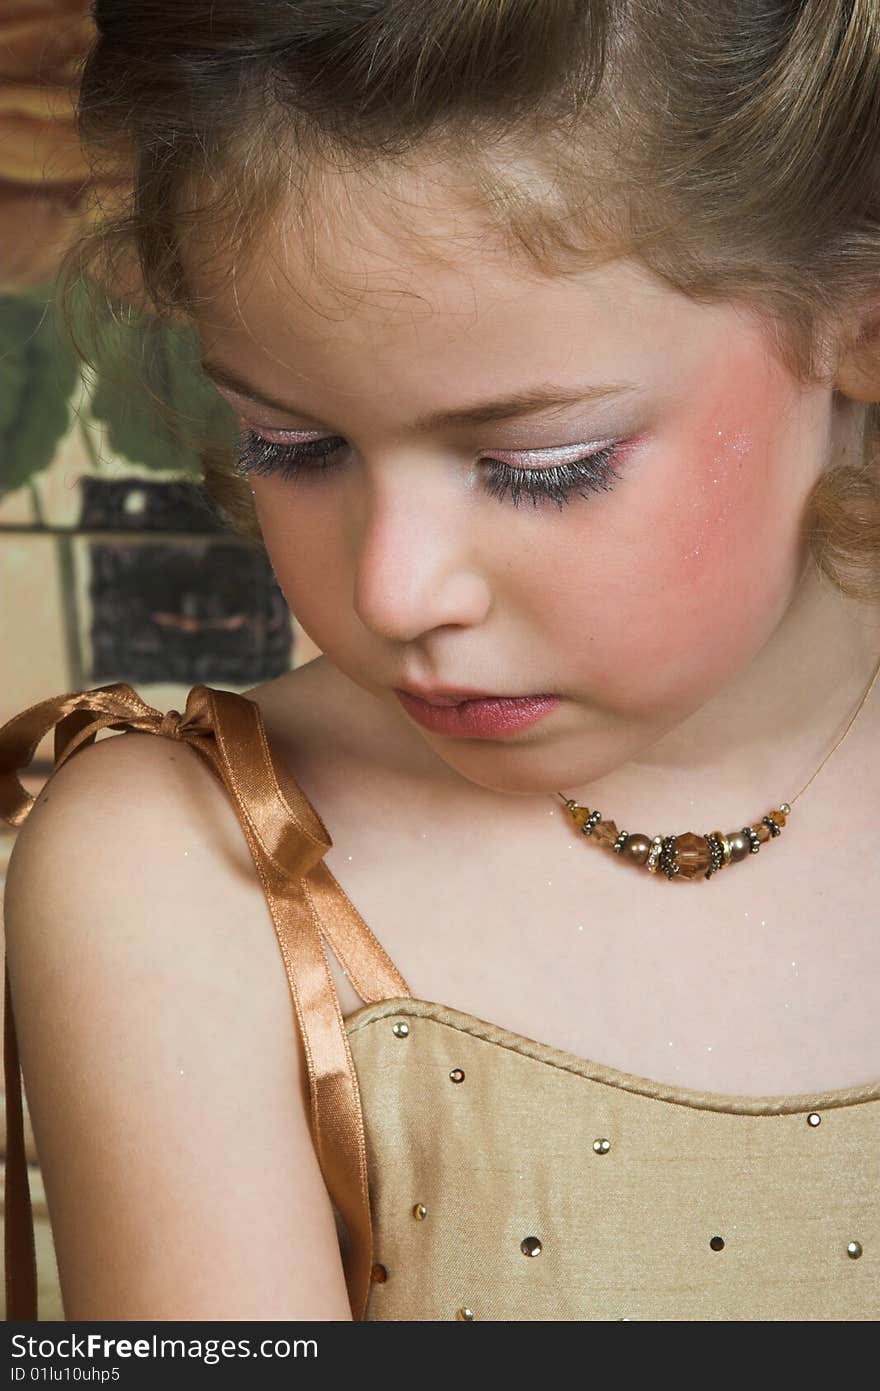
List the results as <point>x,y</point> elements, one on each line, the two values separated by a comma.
<point>478,1174</point>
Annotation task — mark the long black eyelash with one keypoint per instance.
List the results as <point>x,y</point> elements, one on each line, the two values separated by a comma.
<point>592,473</point>
<point>264,457</point>
<point>557,484</point>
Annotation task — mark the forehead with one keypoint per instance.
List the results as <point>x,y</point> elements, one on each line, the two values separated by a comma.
<point>405,268</point>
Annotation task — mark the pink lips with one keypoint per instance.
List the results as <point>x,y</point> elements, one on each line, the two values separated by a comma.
<point>486,718</point>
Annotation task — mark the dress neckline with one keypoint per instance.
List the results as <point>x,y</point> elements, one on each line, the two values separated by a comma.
<point>406,1007</point>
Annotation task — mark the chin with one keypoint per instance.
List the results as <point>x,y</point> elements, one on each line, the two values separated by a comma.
<point>522,781</point>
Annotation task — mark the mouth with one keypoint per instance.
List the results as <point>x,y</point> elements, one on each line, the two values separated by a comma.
<point>453,695</point>
<point>474,716</point>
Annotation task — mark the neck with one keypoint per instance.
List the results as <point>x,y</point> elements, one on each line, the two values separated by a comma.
<point>765,734</point>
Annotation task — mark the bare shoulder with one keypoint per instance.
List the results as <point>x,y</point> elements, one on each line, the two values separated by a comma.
<point>161,1058</point>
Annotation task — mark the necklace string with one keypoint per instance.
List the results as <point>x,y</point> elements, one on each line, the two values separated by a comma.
<point>843,735</point>
<point>691,856</point>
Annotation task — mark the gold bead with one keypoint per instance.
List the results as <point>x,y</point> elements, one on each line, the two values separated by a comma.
<point>601,1146</point>
<point>854,1250</point>
<point>400,1030</point>
<point>784,807</point>
<point>420,1212</point>
<point>726,848</point>
<point>740,846</point>
<point>530,1246</point>
<point>814,1118</point>
<point>637,847</point>
<point>465,1313</point>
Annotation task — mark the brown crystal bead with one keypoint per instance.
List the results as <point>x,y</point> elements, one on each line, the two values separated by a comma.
<point>605,833</point>
<point>761,831</point>
<point>692,855</point>
<point>739,845</point>
<point>580,816</point>
<point>637,848</point>
<point>778,817</point>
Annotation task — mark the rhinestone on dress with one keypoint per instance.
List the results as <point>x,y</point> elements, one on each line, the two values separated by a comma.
<point>465,1313</point>
<point>530,1246</point>
<point>420,1212</point>
<point>399,1029</point>
<point>601,1146</point>
<point>379,1274</point>
<point>717,1243</point>
<point>456,1075</point>
<point>854,1250</point>
<point>814,1118</point>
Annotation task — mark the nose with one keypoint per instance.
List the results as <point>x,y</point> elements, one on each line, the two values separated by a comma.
<point>417,566</point>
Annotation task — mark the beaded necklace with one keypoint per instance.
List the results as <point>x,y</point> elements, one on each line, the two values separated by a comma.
<point>691,856</point>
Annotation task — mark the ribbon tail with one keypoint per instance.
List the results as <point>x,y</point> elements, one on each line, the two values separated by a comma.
<point>20,1256</point>
<point>287,844</point>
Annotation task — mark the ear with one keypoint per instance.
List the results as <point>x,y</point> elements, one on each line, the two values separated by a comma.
<point>858,368</point>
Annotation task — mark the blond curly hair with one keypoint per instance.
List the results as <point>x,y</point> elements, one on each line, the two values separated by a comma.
<point>733,148</point>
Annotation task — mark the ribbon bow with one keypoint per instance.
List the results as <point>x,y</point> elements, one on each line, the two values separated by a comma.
<point>291,840</point>
<point>288,840</point>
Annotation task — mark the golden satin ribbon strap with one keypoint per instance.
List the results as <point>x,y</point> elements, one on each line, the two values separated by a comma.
<point>288,840</point>
<point>18,1232</point>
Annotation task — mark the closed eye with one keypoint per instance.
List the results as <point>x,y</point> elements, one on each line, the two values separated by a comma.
<point>569,470</point>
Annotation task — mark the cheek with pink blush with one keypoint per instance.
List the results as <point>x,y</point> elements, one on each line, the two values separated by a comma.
<point>733,527</point>
<point>704,560</point>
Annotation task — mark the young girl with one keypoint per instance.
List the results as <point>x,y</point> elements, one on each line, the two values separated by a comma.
<point>554,334</point>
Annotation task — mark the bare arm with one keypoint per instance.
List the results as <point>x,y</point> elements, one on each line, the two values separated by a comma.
<point>162,1063</point>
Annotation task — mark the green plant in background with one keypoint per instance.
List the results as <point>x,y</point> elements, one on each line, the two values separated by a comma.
<point>38,376</point>
<point>149,399</point>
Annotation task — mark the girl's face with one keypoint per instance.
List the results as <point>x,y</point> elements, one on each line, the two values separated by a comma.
<point>406,558</point>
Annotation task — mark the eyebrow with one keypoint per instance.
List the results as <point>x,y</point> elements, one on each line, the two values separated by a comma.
<point>527,402</point>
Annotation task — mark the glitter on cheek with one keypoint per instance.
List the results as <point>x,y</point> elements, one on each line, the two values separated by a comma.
<point>696,541</point>
<point>717,493</point>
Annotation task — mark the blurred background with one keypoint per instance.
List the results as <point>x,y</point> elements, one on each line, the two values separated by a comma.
<point>113,566</point>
